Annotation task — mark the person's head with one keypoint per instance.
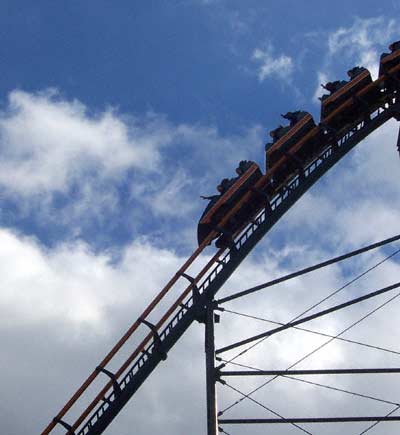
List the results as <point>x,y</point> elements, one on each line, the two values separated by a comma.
<point>330,86</point>
<point>289,115</point>
<point>394,46</point>
<point>273,133</point>
<point>222,186</point>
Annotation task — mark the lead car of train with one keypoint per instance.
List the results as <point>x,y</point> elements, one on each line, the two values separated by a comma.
<point>293,146</point>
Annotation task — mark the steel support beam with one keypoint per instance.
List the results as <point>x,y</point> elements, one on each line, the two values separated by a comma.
<point>212,422</point>
<point>398,141</point>
<point>311,268</point>
<point>308,318</point>
<point>306,420</point>
<point>225,373</point>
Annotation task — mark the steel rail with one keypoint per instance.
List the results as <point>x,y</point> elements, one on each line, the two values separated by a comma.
<point>307,270</point>
<point>306,420</point>
<point>257,372</point>
<point>309,318</point>
<point>135,326</point>
<point>141,346</point>
<point>311,331</point>
<point>156,300</point>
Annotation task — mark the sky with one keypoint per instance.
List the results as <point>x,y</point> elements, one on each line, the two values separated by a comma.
<point>114,118</point>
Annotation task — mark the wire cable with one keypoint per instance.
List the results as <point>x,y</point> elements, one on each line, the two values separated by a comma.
<point>223,431</point>
<point>309,269</point>
<point>266,408</point>
<point>352,393</point>
<point>311,331</point>
<point>321,301</point>
<point>310,317</point>
<point>379,421</point>
<point>329,387</point>
<point>313,351</point>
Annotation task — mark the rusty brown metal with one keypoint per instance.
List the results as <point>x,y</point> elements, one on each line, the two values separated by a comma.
<point>261,184</point>
<point>145,341</point>
<point>125,337</point>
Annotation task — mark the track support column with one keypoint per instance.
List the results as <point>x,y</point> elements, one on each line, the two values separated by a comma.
<point>212,423</point>
<point>398,140</point>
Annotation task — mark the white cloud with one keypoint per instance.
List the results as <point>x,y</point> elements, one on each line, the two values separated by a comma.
<point>79,294</point>
<point>359,44</point>
<point>322,79</point>
<point>72,284</point>
<point>64,307</point>
<point>356,203</point>
<point>82,297</point>
<point>363,34</point>
<point>280,67</point>
<point>170,199</point>
<point>363,41</point>
<point>55,147</point>
<point>83,300</point>
<point>48,143</point>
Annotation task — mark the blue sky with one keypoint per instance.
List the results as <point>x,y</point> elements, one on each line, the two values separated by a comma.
<point>114,118</point>
<point>190,60</point>
<point>195,64</point>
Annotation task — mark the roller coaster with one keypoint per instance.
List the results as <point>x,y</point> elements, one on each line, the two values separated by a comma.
<point>236,219</point>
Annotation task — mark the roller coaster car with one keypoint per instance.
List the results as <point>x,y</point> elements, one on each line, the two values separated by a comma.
<point>285,137</point>
<point>229,203</point>
<point>291,150</point>
<point>343,105</point>
<point>390,60</point>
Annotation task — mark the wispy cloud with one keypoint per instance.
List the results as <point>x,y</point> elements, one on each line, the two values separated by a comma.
<point>322,78</point>
<point>363,40</point>
<point>47,143</point>
<point>280,67</point>
<point>71,283</point>
<point>82,299</point>
<point>65,163</point>
<point>359,44</point>
<point>364,33</point>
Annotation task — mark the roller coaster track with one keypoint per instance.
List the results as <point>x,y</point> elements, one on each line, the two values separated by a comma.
<point>189,306</point>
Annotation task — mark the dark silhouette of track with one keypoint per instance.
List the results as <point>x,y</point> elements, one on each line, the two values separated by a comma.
<point>120,386</point>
